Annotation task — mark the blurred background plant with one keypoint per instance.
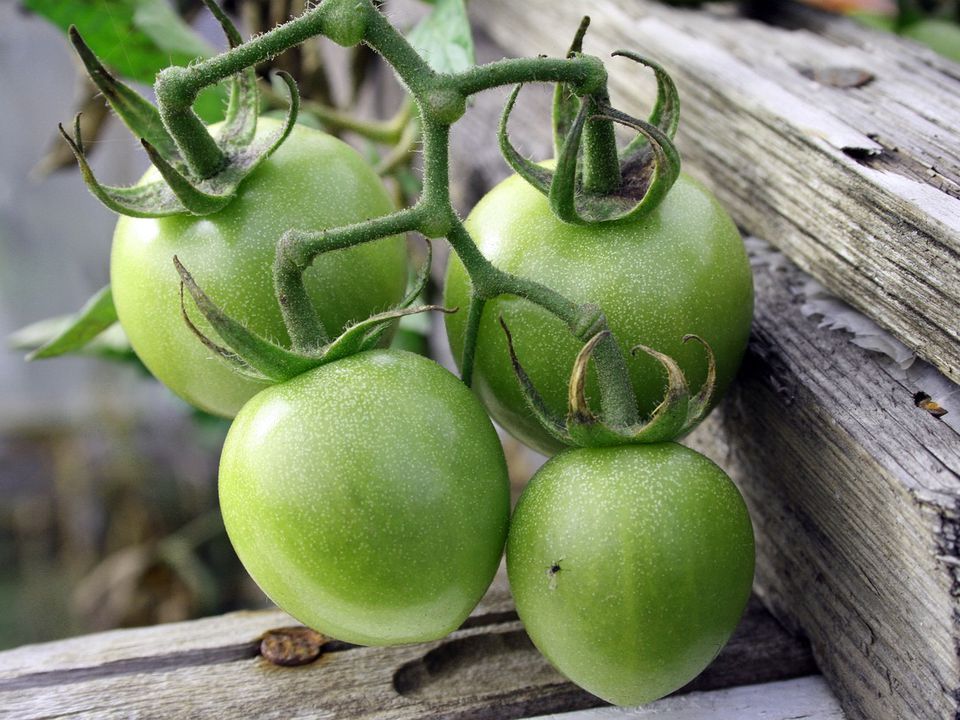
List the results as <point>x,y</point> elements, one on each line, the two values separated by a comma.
<point>934,23</point>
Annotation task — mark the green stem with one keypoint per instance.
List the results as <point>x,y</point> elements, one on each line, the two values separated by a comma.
<point>177,87</point>
<point>412,69</point>
<point>297,250</point>
<point>440,100</point>
<point>436,176</point>
<point>580,71</point>
<point>584,321</point>
<point>601,162</point>
<point>200,151</point>
<point>388,132</point>
<point>469,354</point>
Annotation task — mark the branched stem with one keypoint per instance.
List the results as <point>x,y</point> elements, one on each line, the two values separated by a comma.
<point>582,72</point>
<point>296,251</point>
<point>441,101</point>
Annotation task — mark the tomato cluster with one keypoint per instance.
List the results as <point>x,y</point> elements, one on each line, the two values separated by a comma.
<point>369,496</point>
<point>365,489</point>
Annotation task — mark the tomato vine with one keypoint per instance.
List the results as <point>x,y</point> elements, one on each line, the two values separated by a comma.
<point>265,491</point>
<point>211,169</point>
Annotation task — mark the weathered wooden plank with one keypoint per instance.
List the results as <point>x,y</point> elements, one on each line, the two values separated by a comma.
<point>808,698</point>
<point>212,668</point>
<point>859,185</point>
<point>855,496</point>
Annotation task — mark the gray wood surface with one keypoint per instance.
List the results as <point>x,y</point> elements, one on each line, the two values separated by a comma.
<point>808,698</point>
<point>854,493</point>
<point>859,185</point>
<point>212,668</point>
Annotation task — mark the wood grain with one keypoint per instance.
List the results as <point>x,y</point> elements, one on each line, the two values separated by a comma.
<point>808,698</point>
<point>859,185</point>
<point>212,668</point>
<point>855,496</point>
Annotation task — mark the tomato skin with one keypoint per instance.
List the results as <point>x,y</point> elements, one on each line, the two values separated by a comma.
<point>313,181</point>
<point>630,566</point>
<point>368,498</point>
<point>681,269</point>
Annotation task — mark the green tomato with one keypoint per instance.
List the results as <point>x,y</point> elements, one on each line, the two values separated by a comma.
<point>681,269</point>
<point>312,182</point>
<point>368,498</point>
<point>630,566</point>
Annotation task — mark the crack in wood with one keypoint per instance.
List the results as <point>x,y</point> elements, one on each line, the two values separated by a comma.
<point>134,666</point>
<point>194,658</point>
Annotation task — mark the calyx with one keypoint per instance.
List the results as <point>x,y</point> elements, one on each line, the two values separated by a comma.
<point>257,357</point>
<point>648,165</point>
<point>181,190</point>
<point>677,413</point>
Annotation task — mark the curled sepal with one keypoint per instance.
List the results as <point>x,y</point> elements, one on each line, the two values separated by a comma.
<point>366,335</point>
<point>136,112</point>
<point>591,182</point>
<point>209,196</point>
<point>537,175</point>
<point>563,192</point>
<point>656,177</point>
<point>180,191</point>
<point>666,111</point>
<point>650,181</point>
<point>550,421</point>
<point>242,160</point>
<point>245,349</point>
<point>677,413</point>
<point>700,403</point>
<point>566,104</point>
<point>254,356</point>
<point>147,200</point>
<point>674,416</point>
<point>192,198</point>
<point>236,363</point>
<point>240,122</point>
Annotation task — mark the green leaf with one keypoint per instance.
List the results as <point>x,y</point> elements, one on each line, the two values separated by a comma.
<point>94,330</point>
<point>135,38</point>
<point>443,37</point>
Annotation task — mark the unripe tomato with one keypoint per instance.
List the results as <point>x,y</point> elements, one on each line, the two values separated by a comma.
<point>630,566</point>
<point>368,497</point>
<point>680,269</point>
<point>312,182</point>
